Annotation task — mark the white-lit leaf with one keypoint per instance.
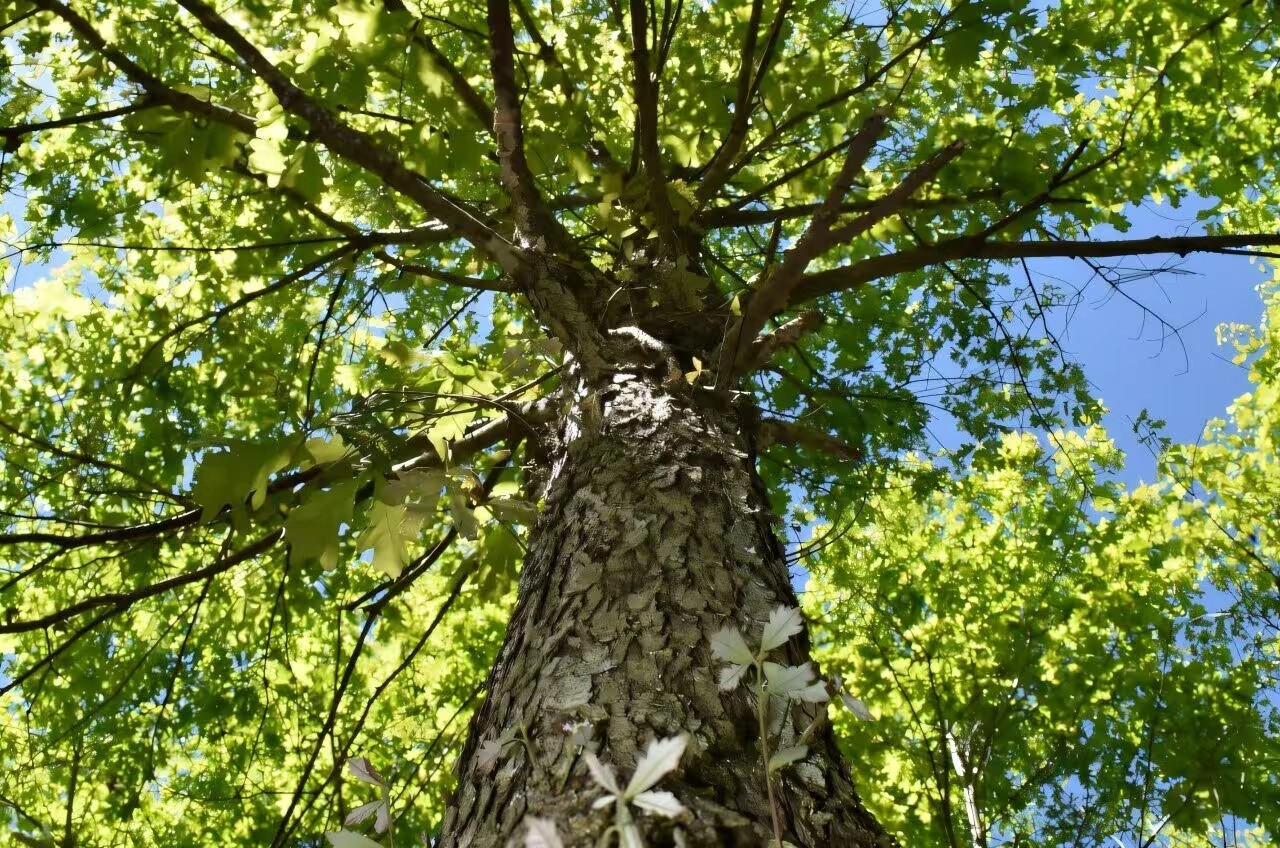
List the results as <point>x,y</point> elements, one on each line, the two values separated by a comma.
<point>856,707</point>
<point>580,732</point>
<point>814,693</point>
<point>361,813</point>
<point>660,757</point>
<point>603,801</point>
<point>661,803</point>
<point>731,676</point>
<point>542,833</point>
<point>728,645</point>
<point>787,680</point>
<point>362,769</point>
<point>784,622</point>
<point>786,756</point>
<point>347,839</point>
<point>489,754</point>
<point>601,773</point>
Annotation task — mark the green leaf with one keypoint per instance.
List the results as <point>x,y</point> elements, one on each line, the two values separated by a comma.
<point>312,528</point>
<point>325,451</point>
<point>464,517</point>
<point>237,475</point>
<point>512,510</point>
<point>382,534</point>
<point>306,173</point>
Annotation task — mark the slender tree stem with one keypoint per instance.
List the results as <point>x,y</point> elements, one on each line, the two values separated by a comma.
<point>762,712</point>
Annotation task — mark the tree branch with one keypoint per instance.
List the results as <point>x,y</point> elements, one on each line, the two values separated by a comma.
<point>120,601</point>
<point>595,147</point>
<point>159,92</point>
<point>646,96</point>
<point>765,347</point>
<point>19,130</point>
<point>776,432</point>
<point>534,221</point>
<point>721,168</point>
<point>725,217</point>
<point>968,247</point>
<point>82,458</point>
<point>718,168</point>
<point>521,418</point>
<point>780,130</point>
<point>499,285</point>
<point>356,146</point>
<point>775,293</point>
<point>317,264</point>
<point>894,201</point>
<point>469,96</point>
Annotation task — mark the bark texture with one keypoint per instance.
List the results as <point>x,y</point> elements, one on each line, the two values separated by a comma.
<point>656,535</point>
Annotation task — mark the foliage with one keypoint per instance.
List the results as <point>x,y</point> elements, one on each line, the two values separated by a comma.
<point>282,348</point>
<point>776,685</point>
<point>1054,659</point>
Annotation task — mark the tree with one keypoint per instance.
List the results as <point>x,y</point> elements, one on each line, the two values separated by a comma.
<point>381,277</point>
<point>1082,692</point>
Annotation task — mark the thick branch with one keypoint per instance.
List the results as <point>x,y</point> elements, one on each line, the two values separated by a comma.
<point>344,140</point>
<point>772,296</point>
<point>19,130</point>
<point>355,145</point>
<point>878,267</point>
<point>534,221</point>
<point>776,432</point>
<point>765,347</point>
<point>159,92</point>
<point>646,97</point>
<point>123,600</point>
<point>775,294</point>
<point>894,201</point>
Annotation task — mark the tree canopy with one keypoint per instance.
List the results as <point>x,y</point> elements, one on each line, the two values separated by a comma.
<point>1054,659</point>
<point>296,291</point>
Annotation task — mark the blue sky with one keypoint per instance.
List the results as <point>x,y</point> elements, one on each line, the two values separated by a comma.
<point>1130,358</point>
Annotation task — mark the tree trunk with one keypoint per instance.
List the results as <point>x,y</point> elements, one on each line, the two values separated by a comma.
<point>656,535</point>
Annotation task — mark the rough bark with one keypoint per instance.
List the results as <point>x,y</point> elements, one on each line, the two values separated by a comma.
<point>656,534</point>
